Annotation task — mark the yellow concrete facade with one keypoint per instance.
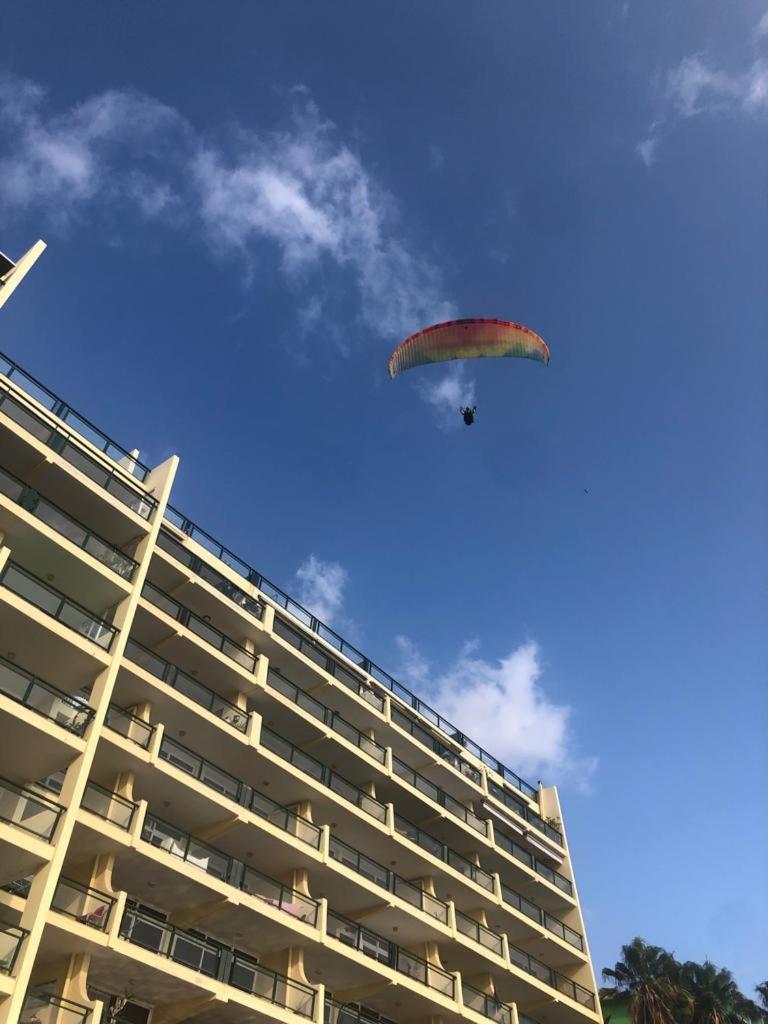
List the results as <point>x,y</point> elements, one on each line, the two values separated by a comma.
<point>214,809</point>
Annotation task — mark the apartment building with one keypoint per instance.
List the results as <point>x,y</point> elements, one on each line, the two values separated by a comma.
<point>215,809</point>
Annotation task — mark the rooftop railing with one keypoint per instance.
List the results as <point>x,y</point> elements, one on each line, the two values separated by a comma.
<point>202,629</point>
<point>444,853</point>
<point>519,853</point>
<point>535,913</point>
<point>386,952</point>
<point>485,1005</point>
<point>525,812</point>
<point>68,415</point>
<point>551,977</point>
<point>11,940</point>
<point>210,575</point>
<point>326,715</point>
<point>41,1007</point>
<point>479,933</point>
<point>205,956</point>
<point>28,810</point>
<point>186,685</point>
<point>66,525</point>
<point>84,904</point>
<point>386,879</point>
<point>227,869</point>
<point>110,806</point>
<point>439,796</point>
<point>57,605</point>
<point>322,774</point>
<point>44,698</point>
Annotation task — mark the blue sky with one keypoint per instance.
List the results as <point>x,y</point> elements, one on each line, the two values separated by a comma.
<point>258,203</point>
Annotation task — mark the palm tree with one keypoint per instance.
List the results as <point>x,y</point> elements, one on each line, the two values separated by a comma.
<point>647,975</point>
<point>762,991</point>
<point>714,993</point>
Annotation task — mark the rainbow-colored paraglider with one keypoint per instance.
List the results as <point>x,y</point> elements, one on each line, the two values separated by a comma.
<point>467,339</point>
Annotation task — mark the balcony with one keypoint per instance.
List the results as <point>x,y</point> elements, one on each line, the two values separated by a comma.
<point>551,977</point>
<point>201,629</point>
<point>427,842</point>
<point>11,940</point>
<point>340,1013</point>
<point>186,685</point>
<point>28,810</point>
<point>60,607</point>
<point>509,801</point>
<point>129,726</point>
<point>41,1007</point>
<point>407,724</point>
<point>519,853</point>
<point>485,1005</point>
<point>110,806</point>
<point>83,904</point>
<point>214,960</point>
<point>386,952</point>
<point>479,934</point>
<point>44,699</point>
<point>67,526</point>
<point>187,760</point>
<point>438,796</point>
<point>541,917</point>
<point>285,819</point>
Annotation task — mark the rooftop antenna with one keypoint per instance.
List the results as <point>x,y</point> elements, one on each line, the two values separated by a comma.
<point>11,273</point>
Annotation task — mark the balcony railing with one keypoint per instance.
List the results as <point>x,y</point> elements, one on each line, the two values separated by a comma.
<point>386,952</point>
<point>314,652</point>
<point>485,1005</point>
<point>439,796</point>
<point>388,880</point>
<point>444,853</point>
<point>133,728</point>
<point>186,685</point>
<point>110,806</point>
<point>479,933</point>
<point>214,960</point>
<point>326,715</point>
<point>41,1007</point>
<point>220,865</point>
<point>202,629</point>
<point>340,1013</point>
<point>68,415</point>
<point>215,778</point>
<point>45,699</point>
<point>525,812</point>
<point>57,605</point>
<point>11,940</point>
<point>66,525</point>
<point>432,743</point>
<point>335,782</point>
<point>82,903</point>
<point>284,819</point>
<point>553,924</point>
<point>515,850</point>
<point>28,810</point>
<point>551,977</point>
<point>210,575</point>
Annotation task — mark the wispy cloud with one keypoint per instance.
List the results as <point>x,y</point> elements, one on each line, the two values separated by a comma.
<point>502,705</point>
<point>447,392</point>
<point>321,587</point>
<point>300,191</point>
<point>697,87</point>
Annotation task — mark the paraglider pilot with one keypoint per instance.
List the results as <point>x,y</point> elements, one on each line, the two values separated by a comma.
<point>468,414</point>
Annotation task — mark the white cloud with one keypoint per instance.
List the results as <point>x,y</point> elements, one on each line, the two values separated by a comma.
<point>647,150</point>
<point>447,392</point>
<point>762,26</point>
<point>321,587</point>
<point>502,706</point>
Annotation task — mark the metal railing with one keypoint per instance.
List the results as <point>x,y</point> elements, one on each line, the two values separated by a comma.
<point>285,819</point>
<point>60,607</point>
<point>186,685</point>
<point>127,462</point>
<point>326,715</point>
<point>126,724</point>
<point>542,917</point>
<point>439,796</point>
<point>485,1005</point>
<point>341,1013</point>
<point>110,806</point>
<point>44,698</point>
<point>202,629</point>
<point>444,853</point>
<point>227,869</point>
<point>513,804</point>
<point>551,977</point>
<point>86,905</point>
<point>41,1007</point>
<point>386,952</point>
<point>11,940</point>
<point>209,774</point>
<point>386,879</point>
<point>28,810</point>
<point>210,575</point>
<point>407,724</point>
<point>214,960</point>
<point>322,774</point>
<point>66,525</point>
<point>479,933</point>
<point>519,853</point>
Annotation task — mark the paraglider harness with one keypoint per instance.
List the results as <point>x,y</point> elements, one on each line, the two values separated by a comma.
<point>468,414</point>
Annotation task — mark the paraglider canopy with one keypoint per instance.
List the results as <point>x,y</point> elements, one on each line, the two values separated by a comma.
<point>467,339</point>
